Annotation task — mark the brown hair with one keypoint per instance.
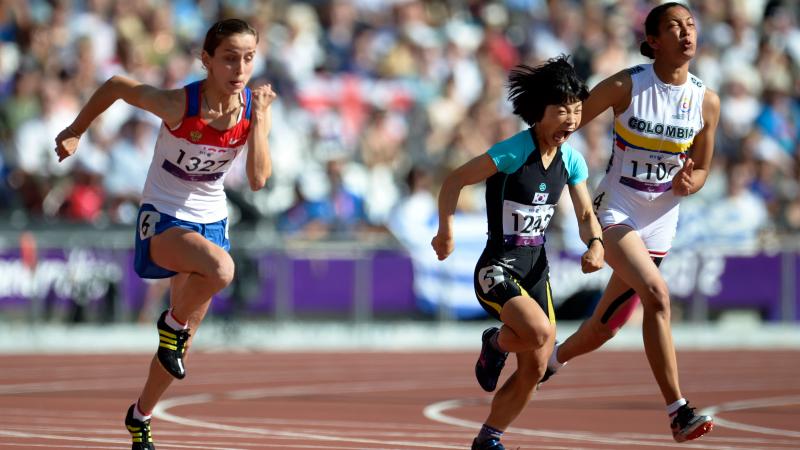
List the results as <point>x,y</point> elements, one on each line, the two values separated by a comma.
<point>223,29</point>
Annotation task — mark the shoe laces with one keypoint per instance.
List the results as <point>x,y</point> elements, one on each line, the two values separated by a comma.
<point>181,336</point>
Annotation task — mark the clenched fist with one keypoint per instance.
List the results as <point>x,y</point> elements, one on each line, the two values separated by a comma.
<point>66,143</point>
<point>263,96</point>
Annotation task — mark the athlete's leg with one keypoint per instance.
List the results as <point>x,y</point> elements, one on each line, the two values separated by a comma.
<point>612,311</point>
<point>627,255</point>
<point>532,333</point>
<point>209,268</point>
<point>158,379</point>
<point>525,326</point>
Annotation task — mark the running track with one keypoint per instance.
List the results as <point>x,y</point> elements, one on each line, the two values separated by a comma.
<point>243,401</point>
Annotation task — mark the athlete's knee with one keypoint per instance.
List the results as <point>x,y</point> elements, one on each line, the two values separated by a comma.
<point>537,335</point>
<point>656,298</point>
<point>545,335</point>
<point>220,274</point>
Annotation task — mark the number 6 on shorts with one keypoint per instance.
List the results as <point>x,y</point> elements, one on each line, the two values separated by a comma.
<point>147,224</point>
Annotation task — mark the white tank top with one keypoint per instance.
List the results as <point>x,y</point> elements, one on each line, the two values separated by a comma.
<point>652,135</point>
<point>190,162</point>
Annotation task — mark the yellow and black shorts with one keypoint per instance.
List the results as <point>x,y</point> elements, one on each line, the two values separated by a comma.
<point>501,275</point>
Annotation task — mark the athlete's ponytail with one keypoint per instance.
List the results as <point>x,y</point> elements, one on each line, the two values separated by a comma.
<point>646,50</point>
<point>651,24</point>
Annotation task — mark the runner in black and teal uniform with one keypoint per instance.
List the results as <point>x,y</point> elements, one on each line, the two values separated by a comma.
<point>525,176</point>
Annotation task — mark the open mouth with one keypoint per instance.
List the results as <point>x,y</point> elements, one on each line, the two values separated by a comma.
<point>237,84</point>
<point>561,136</point>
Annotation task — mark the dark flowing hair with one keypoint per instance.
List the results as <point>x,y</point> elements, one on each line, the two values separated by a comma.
<point>531,89</point>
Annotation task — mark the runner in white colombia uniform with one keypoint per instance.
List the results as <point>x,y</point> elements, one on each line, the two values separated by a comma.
<point>651,138</point>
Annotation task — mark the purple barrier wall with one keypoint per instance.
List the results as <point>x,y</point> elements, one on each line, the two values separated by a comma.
<point>319,286</point>
<point>753,282</point>
<point>328,286</point>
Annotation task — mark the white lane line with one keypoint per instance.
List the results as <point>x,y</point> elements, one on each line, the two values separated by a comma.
<point>740,405</point>
<point>436,412</point>
<point>50,446</point>
<point>161,411</point>
<point>117,442</point>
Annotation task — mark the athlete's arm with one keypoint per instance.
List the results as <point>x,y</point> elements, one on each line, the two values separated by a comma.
<point>692,176</point>
<point>613,92</point>
<point>473,171</point>
<point>588,227</point>
<point>259,163</point>
<point>166,104</point>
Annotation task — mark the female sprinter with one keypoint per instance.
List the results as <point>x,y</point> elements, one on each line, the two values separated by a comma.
<point>182,229</point>
<point>525,176</point>
<point>664,139</point>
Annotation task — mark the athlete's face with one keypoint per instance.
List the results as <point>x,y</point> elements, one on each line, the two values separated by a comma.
<point>232,64</point>
<point>558,122</point>
<point>677,35</point>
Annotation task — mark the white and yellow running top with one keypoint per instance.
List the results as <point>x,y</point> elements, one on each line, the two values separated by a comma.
<point>652,136</point>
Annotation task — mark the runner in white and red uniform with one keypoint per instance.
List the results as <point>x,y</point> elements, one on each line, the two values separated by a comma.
<point>182,229</point>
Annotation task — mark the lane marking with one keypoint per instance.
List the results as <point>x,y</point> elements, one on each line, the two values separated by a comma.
<point>437,412</point>
<point>161,410</point>
<point>740,405</point>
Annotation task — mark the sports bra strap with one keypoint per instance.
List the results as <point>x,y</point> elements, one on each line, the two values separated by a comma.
<point>193,99</point>
<point>248,101</point>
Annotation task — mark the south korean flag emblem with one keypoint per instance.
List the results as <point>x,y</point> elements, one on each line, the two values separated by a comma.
<point>540,198</point>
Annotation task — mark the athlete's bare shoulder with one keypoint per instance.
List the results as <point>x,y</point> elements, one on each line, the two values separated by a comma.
<point>174,104</point>
<point>623,81</point>
<point>711,101</point>
<point>613,92</point>
<point>168,104</point>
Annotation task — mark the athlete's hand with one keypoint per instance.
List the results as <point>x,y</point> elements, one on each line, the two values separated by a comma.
<point>66,143</point>
<point>443,245</point>
<point>683,184</point>
<point>263,96</point>
<point>592,259</point>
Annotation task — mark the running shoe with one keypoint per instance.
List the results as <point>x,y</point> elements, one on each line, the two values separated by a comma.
<point>491,444</point>
<point>141,435</point>
<point>171,345</point>
<point>490,362</point>
<point>687,425</point>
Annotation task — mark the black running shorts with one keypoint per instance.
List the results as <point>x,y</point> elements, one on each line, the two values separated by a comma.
<point>502,274</point>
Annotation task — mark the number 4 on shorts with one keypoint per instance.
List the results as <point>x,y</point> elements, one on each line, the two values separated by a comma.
<point>598,200</point>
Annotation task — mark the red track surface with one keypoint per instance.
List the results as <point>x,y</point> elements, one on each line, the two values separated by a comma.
<point>605,400</point>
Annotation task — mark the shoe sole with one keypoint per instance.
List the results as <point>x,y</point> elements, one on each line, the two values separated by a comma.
<point>699,431</point>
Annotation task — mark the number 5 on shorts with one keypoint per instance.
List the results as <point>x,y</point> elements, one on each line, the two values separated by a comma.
<point>147,224</point>
<point>489,277</point>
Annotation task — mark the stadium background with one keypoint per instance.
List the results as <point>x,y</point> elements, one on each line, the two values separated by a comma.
<point>341,329</point>
<point>378,100</point>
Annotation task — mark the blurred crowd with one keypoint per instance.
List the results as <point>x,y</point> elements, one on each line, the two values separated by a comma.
<point>378,99</point>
